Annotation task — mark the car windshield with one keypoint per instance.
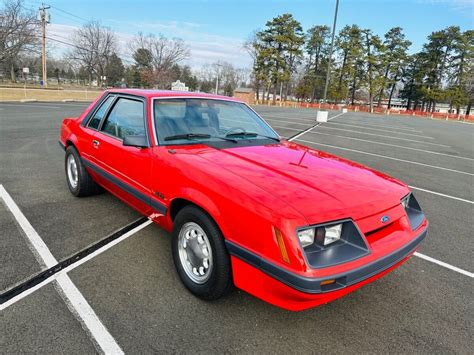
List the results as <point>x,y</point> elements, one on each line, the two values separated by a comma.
<point>187,121</point>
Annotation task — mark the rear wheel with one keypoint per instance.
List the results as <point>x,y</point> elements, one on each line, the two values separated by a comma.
<point>79,181</point>
<point>199,254</point>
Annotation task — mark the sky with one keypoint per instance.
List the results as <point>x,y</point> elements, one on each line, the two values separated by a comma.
<point>216,29</point>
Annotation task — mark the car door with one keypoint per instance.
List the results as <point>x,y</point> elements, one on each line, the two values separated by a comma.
<point>124,170</point>
<point>91,125</point>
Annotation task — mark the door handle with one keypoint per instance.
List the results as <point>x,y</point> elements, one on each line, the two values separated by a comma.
<point>95,143</point>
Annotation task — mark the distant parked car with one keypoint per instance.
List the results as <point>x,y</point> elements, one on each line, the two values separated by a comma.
<point>294,226</point>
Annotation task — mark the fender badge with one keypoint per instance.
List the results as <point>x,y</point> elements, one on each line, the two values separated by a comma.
<point>385,219</point>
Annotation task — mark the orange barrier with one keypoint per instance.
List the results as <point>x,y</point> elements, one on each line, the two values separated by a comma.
<point>392,111</point>
<point>379,110</point>
<point>438,115</point>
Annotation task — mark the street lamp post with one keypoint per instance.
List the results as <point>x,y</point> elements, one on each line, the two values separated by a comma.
<point>217,77</point>
<point>330,52</point>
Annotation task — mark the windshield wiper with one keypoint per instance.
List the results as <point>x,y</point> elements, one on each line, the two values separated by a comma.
<point>187,136</point>
<point>250,134</point>
<point>190,136</point>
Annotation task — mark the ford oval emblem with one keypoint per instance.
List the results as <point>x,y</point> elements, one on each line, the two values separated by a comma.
<point>385,219</point>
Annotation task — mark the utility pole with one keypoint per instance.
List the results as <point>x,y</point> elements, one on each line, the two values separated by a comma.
<point>44,18</point>
<point>217,77</point>
<point>330,52</point>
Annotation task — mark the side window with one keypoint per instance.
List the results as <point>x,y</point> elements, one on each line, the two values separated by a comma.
<point>125,119</point>
<point>95,121</point>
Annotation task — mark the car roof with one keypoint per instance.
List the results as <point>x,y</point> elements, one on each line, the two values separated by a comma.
<point>149,93</point>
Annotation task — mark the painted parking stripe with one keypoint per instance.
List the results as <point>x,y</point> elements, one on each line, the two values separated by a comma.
<point>384,136</point>
<point>393,145</point>
<point>45,277</point>
<point>440,194</point>
<point>389,137</point>
<point>371,134</point>
<point>381,130</point>
<point>291,122</point>
<point>27,105</point>
<point>312,132</point>
<point>76,302</point>
<point>313,119</point>
<point>445,265</point>
<point>391,158</point>
<point>309,129</point>
<point>350,123</point>
<point>380,126</point>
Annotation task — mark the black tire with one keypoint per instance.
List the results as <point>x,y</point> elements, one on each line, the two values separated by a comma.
<point>85,185</point>
<point>219,282</point>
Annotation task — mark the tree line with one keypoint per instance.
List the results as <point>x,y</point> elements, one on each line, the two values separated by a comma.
<point>94,56</point>
<point>287,62</point>
<point>366,68</point>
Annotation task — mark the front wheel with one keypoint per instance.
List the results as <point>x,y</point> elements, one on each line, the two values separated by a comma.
<point>199,254</point>
<point>79,181</point>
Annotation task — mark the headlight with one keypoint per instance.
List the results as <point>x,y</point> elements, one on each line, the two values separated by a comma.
<point>306,237</point>
<point>329,234</point>
<point>332,243</point>
<point>323,235</point>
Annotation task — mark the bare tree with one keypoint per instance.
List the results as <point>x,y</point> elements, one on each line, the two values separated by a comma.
<point>163,53</point>
<point>17,33</point>
<point>94,45</point>
<point>252,46</point>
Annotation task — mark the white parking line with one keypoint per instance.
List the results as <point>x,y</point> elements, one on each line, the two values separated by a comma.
<point>369,134</point>
<point>383,136</point>
<point>298,118</point>
<point>76,302</point>
<point>443,195</point>
<point>290,116</point>
<point>310,128</point>
<point>76,264</point>
<point>292,122</point>
<point>379,126</point>
<point>387,157</point>
<point>381,130</point>
<point>443,264</point>
<point>337,123</point>
<point>393,145</point>
<point>28,105</point>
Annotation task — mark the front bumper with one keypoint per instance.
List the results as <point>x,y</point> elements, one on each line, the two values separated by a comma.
<point>289,290</point>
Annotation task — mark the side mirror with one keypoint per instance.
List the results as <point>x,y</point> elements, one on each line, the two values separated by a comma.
<point>135,141</point>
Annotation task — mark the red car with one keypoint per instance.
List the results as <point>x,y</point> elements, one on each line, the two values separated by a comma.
<point>294,226</point>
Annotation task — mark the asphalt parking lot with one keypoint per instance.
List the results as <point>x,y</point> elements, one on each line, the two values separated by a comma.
<point>424,306</point>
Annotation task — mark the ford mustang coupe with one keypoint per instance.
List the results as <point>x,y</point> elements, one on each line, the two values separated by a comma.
<point>294,226</point>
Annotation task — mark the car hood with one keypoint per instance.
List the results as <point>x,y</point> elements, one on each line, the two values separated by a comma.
<point>321,186</point>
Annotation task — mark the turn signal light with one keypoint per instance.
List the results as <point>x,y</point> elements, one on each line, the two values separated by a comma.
<point>328,282</point>
<point>281,245</point>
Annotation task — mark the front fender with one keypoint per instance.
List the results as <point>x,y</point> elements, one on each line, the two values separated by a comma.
<point>203,201</point>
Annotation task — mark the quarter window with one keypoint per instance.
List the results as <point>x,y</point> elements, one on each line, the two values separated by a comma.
<point>125,119</point>
<point>95,121</point>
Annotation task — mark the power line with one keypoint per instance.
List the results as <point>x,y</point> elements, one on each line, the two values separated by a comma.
<point>69,13</point>
<point>83,48</point>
